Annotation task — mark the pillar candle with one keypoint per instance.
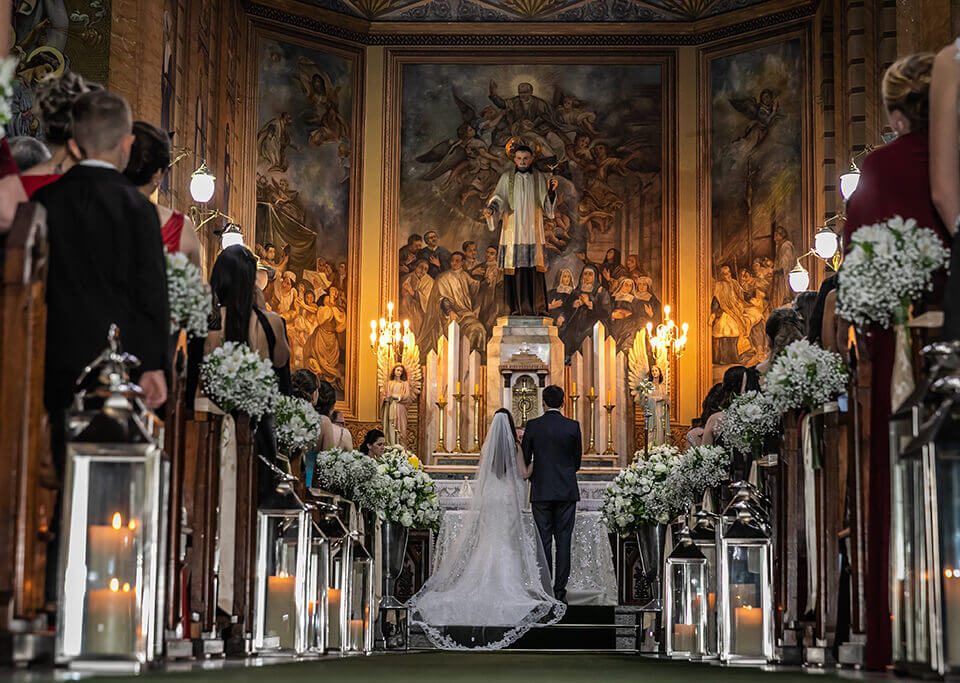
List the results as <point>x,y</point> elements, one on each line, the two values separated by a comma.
<point>110,627</point>
<point>281,610</point>
<point>333,618</point>
<point>951,615</point>
<point>609,398</point>
<point>458,387</point>
<point>574,392</point>
<point>743,595</point>
<point>110,551</point>
<point>356,634</point>
<point>748,631</point>
<point>476,388</point>
<point>593,391</point>
<point>685,638</point>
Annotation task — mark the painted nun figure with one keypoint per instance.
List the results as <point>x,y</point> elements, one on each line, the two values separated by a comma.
<point>521,200</point>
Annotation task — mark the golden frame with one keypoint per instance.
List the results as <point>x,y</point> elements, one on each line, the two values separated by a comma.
<point>260,31</point>
<point>397,58</point>
<point>744,44</point>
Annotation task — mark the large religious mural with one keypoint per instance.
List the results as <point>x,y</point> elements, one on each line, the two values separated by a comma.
<point>50,37</point>
<point>306,106</point>
<point>756,108</point>
<point>597,127</point>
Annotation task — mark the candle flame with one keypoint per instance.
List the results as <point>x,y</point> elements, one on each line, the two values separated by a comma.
<point>114,584</point>
<point>132,525</point>
<point>117,521</point>
<point>126,587</point>
<point>951,573</point>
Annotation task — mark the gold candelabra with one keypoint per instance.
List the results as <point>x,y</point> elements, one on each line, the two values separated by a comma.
<point>458,397</point>
<point>388,337</point>
<point>592,447</point>
<point>442,405</point>
<point>669,342</point>
<point>610,450</point>
<point>476,419</point>
<point>573,400</point>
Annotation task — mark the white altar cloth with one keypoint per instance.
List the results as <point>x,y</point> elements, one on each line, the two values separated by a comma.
<point>593,578</point>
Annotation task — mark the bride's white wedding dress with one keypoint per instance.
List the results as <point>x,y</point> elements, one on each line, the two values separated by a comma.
<point>492,584</point>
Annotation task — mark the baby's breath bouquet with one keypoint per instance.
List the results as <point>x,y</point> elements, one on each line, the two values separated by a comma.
<point>698,469</point>
<point>237,379</point>
<point>747,421</point>
<point>637,495</point>
<point>805,376</point>
<point>297,424</point>
<point>350,474</point>
<point>409,496</point>
<point>189,296</point>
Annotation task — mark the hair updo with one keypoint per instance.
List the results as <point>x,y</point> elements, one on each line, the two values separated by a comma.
<point>150,153</point>
<point>55,100</point>
<point>906,88</point>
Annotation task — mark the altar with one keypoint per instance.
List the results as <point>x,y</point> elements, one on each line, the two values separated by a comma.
<point>593,577</point>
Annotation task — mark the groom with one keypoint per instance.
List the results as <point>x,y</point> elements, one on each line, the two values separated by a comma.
<point>554,445</point>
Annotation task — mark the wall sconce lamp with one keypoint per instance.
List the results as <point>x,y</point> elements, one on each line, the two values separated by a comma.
<point>231,236</point>
<point>202,184</point>
<point>827,246</point>
<point>850,180</point>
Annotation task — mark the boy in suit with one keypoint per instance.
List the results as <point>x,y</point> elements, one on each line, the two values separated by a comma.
<point>554,445</point>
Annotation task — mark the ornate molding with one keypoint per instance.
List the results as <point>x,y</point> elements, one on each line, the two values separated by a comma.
<point>486,34</point>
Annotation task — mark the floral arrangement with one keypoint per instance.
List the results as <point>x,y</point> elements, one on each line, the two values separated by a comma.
<point>350,474</point>
<point>8,68</point>
<point>189,296</point>
<point>748,421</point>
<point>398,450</point>
<point>237,379</point>
<point>643,389</point>
<point>805,375</point>
<point>637,495</point>
<point>297,424</point>
<point>888,266</point>
<point>698,469</point>
<point>409,496</point>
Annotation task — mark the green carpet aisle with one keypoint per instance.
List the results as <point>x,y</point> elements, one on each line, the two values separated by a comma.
<point>447,667</point>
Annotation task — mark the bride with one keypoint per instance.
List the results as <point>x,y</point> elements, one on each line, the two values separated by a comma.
<point>491,583</point>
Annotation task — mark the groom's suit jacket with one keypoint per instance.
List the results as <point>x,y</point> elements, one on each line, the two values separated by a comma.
<point>555,442</point>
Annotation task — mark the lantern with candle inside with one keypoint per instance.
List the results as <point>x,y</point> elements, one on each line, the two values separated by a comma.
<point>318,579</point>
<point>112,531</point>
<point>282,589</point>
<point>359,596</point>
<point>746,590</point>
<point>332,515</point>
<point>685,600</point>
<point>703,535</point>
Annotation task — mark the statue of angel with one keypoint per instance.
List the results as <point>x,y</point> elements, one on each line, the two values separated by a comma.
<point>399,387</point>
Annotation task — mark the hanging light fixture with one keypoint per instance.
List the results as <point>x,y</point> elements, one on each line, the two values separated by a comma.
<point>202,184</point>
<point>826,243</point>
<point>849,182</point>
<point>799,278</point>
<point>231,236</point>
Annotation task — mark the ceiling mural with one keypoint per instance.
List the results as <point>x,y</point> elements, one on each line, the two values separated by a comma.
<point>535,10</point>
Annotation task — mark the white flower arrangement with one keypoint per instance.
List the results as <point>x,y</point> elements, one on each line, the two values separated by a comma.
<point>8,69</point>
<point>888,266</point>
<point>643,389</point>
<point>637,495</point>
<point>409,496</point>
<point>698,469</point>
<point>237,379</point>
<point>189,296</point>
<point>297,424</point>
<point>747,421</point>
<point>805,376</point>
<point>350,474</point>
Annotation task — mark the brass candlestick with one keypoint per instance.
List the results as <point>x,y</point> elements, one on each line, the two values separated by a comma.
<point>592,447</point>
<point>476,423</point>
<point>610,450</point>
<point>442,405</point>
<point>573,400</point>
<point>458,397</point>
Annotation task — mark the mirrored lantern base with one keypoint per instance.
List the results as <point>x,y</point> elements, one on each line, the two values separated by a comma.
<point>395,628</point>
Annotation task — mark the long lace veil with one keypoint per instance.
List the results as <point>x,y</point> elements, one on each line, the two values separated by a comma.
<point>491,582</point>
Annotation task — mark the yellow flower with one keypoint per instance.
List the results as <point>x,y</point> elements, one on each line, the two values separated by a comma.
<point>414,462</point>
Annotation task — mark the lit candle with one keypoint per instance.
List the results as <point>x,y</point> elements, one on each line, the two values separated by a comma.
<point>110,549</point>
<point>574,389</point>
<point>743,594</point>
<point>356,634</point>
<point>748,631</point>
<point>685,638</point>
<point>593,391</point>
<point>110,628</point>
<point>951,620</point>
<point>476,388</point>
<point>281,609</point>
<point>333,618</point>
<point>609,398</point>
<point>712,601</point>
<point>458,386</point>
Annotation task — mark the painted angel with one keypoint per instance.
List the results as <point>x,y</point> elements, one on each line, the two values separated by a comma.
<point>325,119</point>
<point>571,113</point>
<point>399,387</point>
<point>762,114</point>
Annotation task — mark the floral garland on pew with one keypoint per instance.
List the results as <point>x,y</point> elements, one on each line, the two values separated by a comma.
<point>238,380</point>
<point>189,297</point>
<point>297,424</point>
<point>748,421</point>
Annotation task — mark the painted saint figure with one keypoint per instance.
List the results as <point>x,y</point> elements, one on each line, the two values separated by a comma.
<point>393,408</point>
<point>521,200</point>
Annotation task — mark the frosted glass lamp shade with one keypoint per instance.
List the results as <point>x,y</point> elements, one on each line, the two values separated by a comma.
<point>202,184</point>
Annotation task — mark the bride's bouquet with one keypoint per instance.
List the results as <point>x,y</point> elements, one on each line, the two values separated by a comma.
<point>805,376</point>
<point>188,295</point>
<point>638,494</point>
<point>748,420</point>
<point>237,379</point>
<point>350,474</point>
<point>297,424</point>
<point>409,496</point>
<point>889,265</point>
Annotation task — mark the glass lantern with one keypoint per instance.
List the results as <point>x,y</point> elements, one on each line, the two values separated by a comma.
<point>746,590</point>
<point>332,518</point>
<point>703,535</point>
<point>685,600</point>
<point>113,545</point>
<point>355,575</point>
<point>318,579</point>
<point>282,595</point>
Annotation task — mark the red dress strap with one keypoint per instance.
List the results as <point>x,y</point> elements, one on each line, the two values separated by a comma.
<point>171,232</point>
<point>32,183</point>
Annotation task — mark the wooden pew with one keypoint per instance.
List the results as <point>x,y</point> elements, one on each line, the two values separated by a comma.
<point>240,630</point>
<point>27,476</point>
<point>787,552</point>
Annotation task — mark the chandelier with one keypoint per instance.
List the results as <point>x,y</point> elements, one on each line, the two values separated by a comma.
<point>668,342</point>
<point>388,337</point>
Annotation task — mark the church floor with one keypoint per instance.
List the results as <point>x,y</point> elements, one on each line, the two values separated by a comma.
<point>464,668</point>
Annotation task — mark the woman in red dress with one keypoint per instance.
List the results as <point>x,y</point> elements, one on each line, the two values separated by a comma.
<point>54,100</point>
<point>893,181</point>
<point>149,162</point>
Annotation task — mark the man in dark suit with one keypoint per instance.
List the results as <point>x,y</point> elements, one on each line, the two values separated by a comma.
<point>554,445</point>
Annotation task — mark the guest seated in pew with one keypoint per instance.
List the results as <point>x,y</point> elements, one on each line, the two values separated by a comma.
<point>374,443</point>
<point>331,435</point>
<point>736,380</point>
<point>28,152</point>
<point>784,326</point>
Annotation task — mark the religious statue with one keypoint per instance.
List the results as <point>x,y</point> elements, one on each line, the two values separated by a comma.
<point>399,383</point>
<point>521,200</point>
<point>657,410</point>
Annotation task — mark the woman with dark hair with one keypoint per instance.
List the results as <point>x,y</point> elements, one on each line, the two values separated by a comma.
<point>305,386</point>
<point>804,305</point>
<point>374,443</point>
<point>148,164</point>
<point>712,403</point>
<point>736,380</point>
<point>332,435</point>
<point>822,319</point>
<point>784,326</point>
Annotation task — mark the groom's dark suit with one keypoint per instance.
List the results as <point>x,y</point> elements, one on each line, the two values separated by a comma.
<point>554,445</point>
